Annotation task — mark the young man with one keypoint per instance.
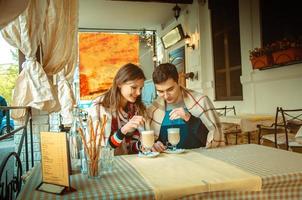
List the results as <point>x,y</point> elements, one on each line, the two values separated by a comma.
<point>179,107</point>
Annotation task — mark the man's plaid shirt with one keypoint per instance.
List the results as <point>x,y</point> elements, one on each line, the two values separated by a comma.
<point>198,105</point>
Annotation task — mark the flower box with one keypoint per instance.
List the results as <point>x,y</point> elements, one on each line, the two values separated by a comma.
<point>262,61</point>
<point>287,55</point>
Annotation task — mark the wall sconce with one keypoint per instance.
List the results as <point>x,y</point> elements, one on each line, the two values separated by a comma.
<point>191,75</point>
<point>188,41</point>
<point>154,58</point>
<point>176,10</point>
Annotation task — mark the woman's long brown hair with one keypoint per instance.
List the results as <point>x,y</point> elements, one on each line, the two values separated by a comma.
<point>112,97</point>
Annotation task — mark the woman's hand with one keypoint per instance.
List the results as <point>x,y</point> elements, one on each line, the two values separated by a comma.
<point>177,113</point>
<point>158,146</point>
<point>133,124</point>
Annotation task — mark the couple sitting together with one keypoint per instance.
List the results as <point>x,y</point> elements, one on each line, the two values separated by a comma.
<point>175,106</point>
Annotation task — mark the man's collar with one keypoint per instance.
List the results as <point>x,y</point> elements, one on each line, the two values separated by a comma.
<point>161,104</point>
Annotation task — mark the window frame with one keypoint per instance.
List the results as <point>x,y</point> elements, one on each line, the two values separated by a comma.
<point>227,67</point>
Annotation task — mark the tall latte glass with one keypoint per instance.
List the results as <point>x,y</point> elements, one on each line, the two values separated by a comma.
<point>147,139</point>
<point>173,137</point>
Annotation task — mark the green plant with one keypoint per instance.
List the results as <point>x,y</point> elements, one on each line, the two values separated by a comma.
<point>285,44</point>
<point>257,52</point>
<point>9,74</point>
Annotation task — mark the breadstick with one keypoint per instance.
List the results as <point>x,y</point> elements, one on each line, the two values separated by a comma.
<point>104,121</point>
<point>84,140</point>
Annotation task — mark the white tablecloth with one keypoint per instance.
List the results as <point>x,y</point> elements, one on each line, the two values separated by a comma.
<point>248,122</point>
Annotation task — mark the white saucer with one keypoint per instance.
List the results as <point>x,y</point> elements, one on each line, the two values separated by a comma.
<point>149,155</point>
<point>175,151</point>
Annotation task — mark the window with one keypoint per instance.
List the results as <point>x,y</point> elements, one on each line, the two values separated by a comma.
<point>279,20</point>
<point>9,69</point>
<point>226,49</point>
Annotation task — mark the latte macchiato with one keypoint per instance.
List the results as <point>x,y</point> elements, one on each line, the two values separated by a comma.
<point>173,136</point>
<point>147,138</point>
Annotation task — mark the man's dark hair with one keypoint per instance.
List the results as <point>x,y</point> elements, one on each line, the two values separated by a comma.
<point>163,72</point>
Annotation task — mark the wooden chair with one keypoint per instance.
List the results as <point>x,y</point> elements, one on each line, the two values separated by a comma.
<point>224,111</point>
<point>281,134</point>
<point>228,129</point>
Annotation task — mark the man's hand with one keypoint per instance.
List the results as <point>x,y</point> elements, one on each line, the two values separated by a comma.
<point>158,146</point>
<point>133,124</point>
<point>177,113</point>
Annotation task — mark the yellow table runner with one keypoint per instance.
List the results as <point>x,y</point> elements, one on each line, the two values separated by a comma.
<point>176,175</point>
<point>251,117</point>
<point>255,117</point>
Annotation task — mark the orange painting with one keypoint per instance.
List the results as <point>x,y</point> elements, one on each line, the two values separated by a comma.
<point>101,55</point>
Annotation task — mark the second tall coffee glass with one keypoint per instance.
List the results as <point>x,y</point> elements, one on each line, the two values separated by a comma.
<point>173,137</point>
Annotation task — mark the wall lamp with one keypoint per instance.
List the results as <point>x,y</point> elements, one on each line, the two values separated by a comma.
<point>188,41</point>
<point>191,75</point>
<point>154,58</point>
<point>176,10</point>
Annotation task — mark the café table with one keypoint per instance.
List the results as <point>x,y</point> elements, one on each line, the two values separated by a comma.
<point>279,171</point>
<point>248,122</point>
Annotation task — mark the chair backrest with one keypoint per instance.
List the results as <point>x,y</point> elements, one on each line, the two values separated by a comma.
<point>224,111</point>
<point>291,121</point>
<point>229,110</point>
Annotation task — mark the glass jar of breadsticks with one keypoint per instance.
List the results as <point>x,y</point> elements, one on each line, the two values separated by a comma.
<point>92,145</point>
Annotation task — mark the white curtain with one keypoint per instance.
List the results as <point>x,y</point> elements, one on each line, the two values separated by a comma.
<point>59,44</point>
<point>32,86</point>
<point>52,23</point>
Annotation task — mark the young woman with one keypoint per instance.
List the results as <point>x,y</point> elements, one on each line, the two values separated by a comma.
<point>124,110</point>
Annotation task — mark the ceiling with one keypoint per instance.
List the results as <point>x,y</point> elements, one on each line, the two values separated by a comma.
<point>160,1</point>
<point>108,14</point>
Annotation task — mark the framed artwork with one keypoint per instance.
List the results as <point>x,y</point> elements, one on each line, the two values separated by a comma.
<point>173,36</point>
<point>100,57</point>
<point>177,57</point>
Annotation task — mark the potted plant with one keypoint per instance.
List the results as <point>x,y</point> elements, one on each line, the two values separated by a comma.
<point>261,57</point>
<point>286,51</point>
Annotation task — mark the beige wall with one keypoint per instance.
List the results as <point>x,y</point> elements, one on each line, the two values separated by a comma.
<point>262,90</point>
<point>189,20</point>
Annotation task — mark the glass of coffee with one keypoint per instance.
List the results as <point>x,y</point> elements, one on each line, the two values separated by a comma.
<point>173,137</point>
<point>147,139</point>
